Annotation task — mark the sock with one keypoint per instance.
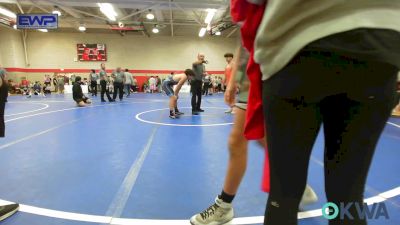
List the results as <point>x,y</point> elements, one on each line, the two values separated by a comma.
<point>226,197</point>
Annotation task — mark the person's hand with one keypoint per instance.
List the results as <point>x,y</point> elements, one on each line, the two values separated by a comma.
<point>229,95</point>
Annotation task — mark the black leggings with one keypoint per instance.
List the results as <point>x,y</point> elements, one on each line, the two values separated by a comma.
<point>2,125</point>
<point>352,99</point>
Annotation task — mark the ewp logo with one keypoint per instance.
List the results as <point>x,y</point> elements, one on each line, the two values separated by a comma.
<point>331,211</point>
<point>37,21</point>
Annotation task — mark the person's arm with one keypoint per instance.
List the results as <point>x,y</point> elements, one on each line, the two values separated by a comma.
<point>3,73</point>
<point>230,91</point>
<point>179,86</point>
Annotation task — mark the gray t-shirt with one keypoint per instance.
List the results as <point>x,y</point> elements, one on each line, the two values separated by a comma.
<point>60,81</point>
<point>103,74</point>
<point>119,77</point>
<point>198,70</point>
<point>128,78</point>
<point>94,77</point>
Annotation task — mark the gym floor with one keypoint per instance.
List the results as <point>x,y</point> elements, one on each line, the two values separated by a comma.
<point>128,163</point>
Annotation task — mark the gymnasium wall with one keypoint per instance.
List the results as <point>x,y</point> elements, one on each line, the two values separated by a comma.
<point>11,48</point>
<point>49,52</point>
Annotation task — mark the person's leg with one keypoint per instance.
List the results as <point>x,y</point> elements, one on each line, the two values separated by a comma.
<point>121,91</point>
<point>292,121</point>
<point>237,146</point>
<point>172,105</point>
<point>102,90</point>
<point>95,88</point>
<point>115,91</point>
<point>176,105</point>
<point>87,101</point>
<point>353,123</point>
<point>2,124</point>
<point>236,169</point>
<point>109,96</point>
<point>292,127</point>
<point>194,96</point>
<point>128,89</point>
<point>198,103</point>
<point>91,88</point>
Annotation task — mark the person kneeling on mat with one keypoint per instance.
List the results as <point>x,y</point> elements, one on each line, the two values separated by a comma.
<point>80,99</point>
<point>168,88</point>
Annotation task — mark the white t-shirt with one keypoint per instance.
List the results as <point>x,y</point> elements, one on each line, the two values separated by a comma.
<point>128,78</point>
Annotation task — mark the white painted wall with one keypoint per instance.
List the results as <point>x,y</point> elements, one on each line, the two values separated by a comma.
<point>11,48</point>
<point>58,50</point>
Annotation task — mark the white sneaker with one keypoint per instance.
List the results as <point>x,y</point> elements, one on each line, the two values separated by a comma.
<point>8,210</point>
<point>309,197</point>
<point>217,214</point>
<point>229,110</point>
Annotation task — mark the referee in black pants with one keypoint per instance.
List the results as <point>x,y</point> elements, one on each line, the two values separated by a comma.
<point>103,84</point>
<point>119,80</point>
<point>197,83</point>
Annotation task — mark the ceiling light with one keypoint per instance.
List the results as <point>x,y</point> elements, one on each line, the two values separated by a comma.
<point>7,13</point>
<point>210,15</point>
<point>43,30</point>
<point>82,28</point>
<point>108,10</point>
<point>56,10</point>
<point>150,15</point>
<point>155,30</point>
<point>202,32</point>
<point>218,33</point>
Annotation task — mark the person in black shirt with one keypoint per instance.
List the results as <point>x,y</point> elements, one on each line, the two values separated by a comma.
<point>80,99</point>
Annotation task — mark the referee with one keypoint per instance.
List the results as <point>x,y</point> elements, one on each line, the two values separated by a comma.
<point>197,83</point>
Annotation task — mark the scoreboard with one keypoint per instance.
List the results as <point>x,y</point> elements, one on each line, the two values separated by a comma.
<point>92,52</point>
